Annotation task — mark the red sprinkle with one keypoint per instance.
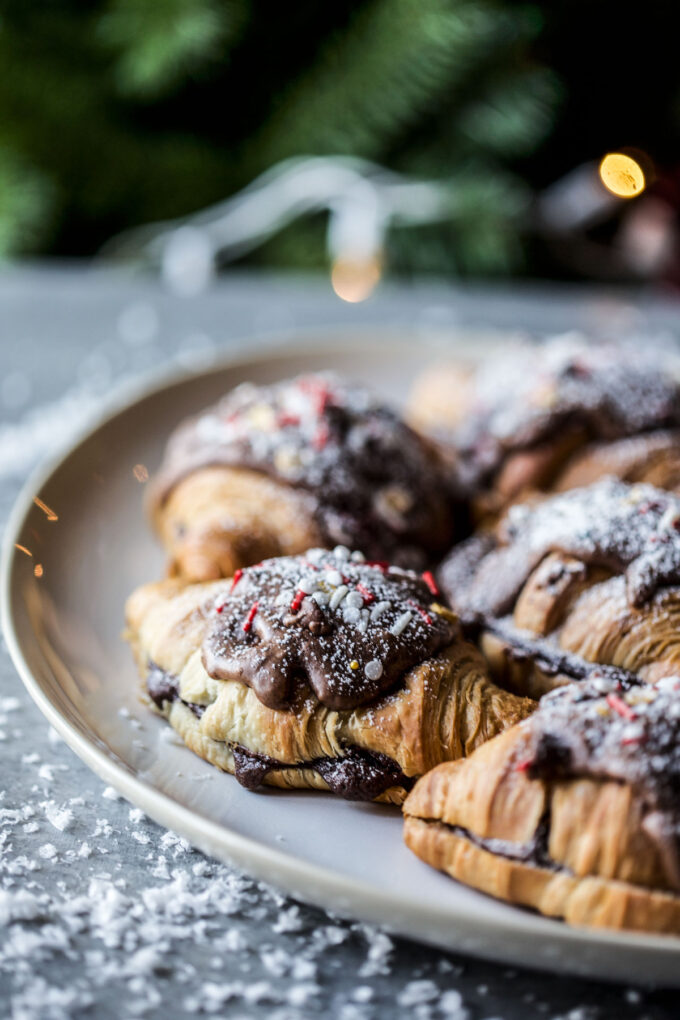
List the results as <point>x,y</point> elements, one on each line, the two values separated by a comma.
<point>428,578</point>
<point>238,574</point>
<point>297,601</point>
<point>523,765</point>
<point>218,609</point>
<point>321,436</point>
<point>619,705</point>
<point>288,419</point>
<point>251,616</point>
<point>380,564</point>
<point>419,609</point>
<point>368,595</point>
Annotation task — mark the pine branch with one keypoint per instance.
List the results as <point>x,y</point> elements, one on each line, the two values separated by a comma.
<point>158,43</point>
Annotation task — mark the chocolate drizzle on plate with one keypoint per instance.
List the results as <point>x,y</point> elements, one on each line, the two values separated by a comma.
<point>378,485</point>
<point>533,394</point>
<point>346,628</point>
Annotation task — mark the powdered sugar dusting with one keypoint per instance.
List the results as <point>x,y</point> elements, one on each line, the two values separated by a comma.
<point>309,618</point>
<point>609,389</point>
<point>633,529</point>
<point>376,483</point>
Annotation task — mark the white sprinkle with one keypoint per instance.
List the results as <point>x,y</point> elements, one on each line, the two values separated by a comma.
<point>110,794</point>
<point>355,599</point>
<point>341,552</point>
<point>401,623</point>
<point>321,598</point>
<point>669,519</point>
<point>362,625</point>
<point>357,557</point>
<point>338,595</point>
<point>374,669</point>
<point>333,577</point>
<point>284,598</point>
<point>47,851</point>
<point>308,585</point>
<point>351,614</point>
<point>632,733</point>
<point>378,609</point>
<point>314,555</point>
<point>668,683</point>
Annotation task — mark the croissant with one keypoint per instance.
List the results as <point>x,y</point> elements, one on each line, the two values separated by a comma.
<point>574,812</point>
<point>320,671</point>
<point>274,470</point>
<point>553,417</point>
<point>587,579</point>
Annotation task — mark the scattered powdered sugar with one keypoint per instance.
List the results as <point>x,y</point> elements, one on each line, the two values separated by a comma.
<point>108,927</point>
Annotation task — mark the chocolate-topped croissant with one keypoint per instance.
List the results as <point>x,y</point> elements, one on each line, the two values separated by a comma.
<point>274,470</point>
<point>588,578</point>
<point>574,812</point>
<point>555,416</point>
<point>319,671</point>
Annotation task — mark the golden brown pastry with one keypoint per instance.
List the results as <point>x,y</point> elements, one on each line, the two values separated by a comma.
<point>552,416</point>
<point>574,812</point>
<point>273,470</point>
<point>317,671</point>
<point>586,578</point>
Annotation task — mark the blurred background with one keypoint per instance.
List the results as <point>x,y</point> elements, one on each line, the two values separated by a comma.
<point>472,138</point>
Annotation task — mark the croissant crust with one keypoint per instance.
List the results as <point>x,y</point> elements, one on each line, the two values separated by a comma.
<point>579,849</point>
<point>445,707</point>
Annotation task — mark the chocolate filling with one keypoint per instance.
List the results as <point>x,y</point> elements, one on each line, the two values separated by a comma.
<point>535,852</point>
<point>358,775</point>
<point>163,688</point>
<point>522,645</point>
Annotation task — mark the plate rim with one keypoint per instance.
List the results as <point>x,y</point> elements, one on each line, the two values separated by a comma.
<point>330,889</point>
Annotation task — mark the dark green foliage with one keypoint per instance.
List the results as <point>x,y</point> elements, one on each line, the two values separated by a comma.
<point>119,113</point>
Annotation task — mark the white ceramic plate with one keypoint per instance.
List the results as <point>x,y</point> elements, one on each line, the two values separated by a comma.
<point>63,630</point>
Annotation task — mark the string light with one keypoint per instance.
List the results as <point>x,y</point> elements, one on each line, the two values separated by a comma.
<point>354,280</point>
<point>622,175</point>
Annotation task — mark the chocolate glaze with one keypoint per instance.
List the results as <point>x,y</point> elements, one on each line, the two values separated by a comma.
<point>624,528</point>
<point>357,775</point>
<point>348,629</point>
<point>533,394</point>
<point>378,485</point>
<point>617,731</point>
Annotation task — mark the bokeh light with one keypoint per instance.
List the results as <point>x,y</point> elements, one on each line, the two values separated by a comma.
<point>622,175</point>
<point>354,280</point>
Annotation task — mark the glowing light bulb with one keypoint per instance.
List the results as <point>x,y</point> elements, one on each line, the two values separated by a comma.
<point>354,280</point>
<point>622,175</point>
